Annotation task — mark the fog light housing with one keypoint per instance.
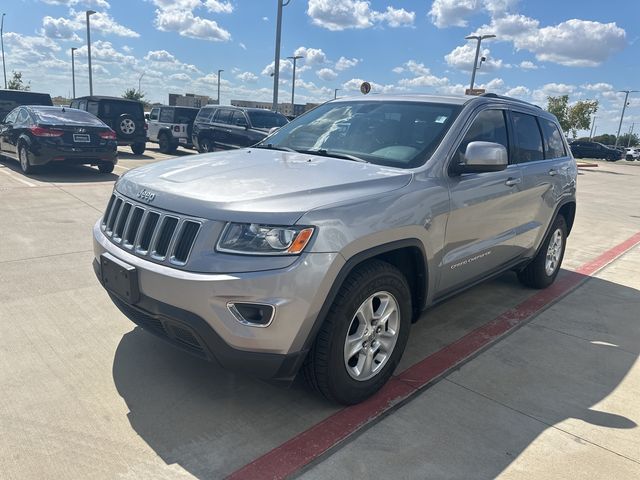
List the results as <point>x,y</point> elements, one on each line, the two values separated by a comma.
<point>252,314</point>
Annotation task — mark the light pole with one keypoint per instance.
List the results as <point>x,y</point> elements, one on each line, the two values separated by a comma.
<point>630,133</point>
<point>140,80</point>
<point>73,70</point>
<point>4,69</point>
<point>593,124</point>
<point>295,58</point>
<point>276,63</point>
<point>219,72</point>
<point>479,39</point>
<point>335,92</point>
<point>624,107</point>
<point>89,13</point>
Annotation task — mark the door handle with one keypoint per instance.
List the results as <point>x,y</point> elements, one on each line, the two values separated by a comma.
<point>553,172</point>
<point>510,182</point>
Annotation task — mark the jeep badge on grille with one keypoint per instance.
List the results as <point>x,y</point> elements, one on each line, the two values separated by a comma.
<point>146,196</point>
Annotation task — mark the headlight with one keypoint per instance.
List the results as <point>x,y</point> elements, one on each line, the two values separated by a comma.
<point>255,239</point>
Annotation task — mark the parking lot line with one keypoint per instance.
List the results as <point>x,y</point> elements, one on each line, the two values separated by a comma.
<point>9,173</point>
<point>310,445</point>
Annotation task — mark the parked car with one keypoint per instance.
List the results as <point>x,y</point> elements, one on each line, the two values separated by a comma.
<point>583,149</point>
<point>10,99</point>
<point>632,153</point>
<point>171,127</point>
<point>318,247</point>
<point>38,135</point>
<point>225,128</point>
<point>125,117</point>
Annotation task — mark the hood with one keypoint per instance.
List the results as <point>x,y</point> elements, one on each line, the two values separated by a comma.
<point>256,185</point>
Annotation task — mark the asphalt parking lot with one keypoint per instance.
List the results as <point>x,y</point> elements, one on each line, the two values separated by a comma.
<point>86,394</point>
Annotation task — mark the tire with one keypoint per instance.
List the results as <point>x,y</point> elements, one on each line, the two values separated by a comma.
<point>328,367</point>
<point>205,146</point>
<point>165,144</point>
<point>138,148</point>
<point>542,272</point>
<point>106,167</point>
<point>23,158</point>
<point>126,125</point>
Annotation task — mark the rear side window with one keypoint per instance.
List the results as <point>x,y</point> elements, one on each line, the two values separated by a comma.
<point>115,109</point>
<point>22,117</point>
<point>553,144</point>
<point>92,108</point>
<point>488,126</point>
<point>224,116</point>
<point>166,115</point>
<point>528,146</point>
<point>266,119</point>
<point>205,114</point>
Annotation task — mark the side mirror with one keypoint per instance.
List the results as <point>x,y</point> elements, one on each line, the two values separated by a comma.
<point>483,157</point>
<point>273,129</point>
<point>146,116</point>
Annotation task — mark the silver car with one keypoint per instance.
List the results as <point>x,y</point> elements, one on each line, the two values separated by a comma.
<point>317,248</point>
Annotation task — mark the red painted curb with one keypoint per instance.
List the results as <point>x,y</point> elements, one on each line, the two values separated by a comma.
<point>302,449</point>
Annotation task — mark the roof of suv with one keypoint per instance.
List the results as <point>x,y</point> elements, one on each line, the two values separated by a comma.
<point>97,98</point>
<point>449,99</point>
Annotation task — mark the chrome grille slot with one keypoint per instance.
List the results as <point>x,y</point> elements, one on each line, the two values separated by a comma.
<point>122,221</point>
<point>147,232</point>
<point>186,239</point>
<point>113,215</point>
<point>167,229</point>
<point>160,236</point>
<point>131,231</point>
<point>106,212</point>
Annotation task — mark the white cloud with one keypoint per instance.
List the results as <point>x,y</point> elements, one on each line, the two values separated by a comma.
<point>247,77</point>
<point>104,52</point>
<point>326,74</point>
<point>518,92</point>
<point>160,56</point>
<point>422,76</point>
<point>217,6</point>
<point>102,23</point>
<point>163,60</point>
<point>82,3</point>
<point>242,46</point>
<point>346,63</point>
<point>344,14</point>
<point>59,28</point>
<point>286,69</point>
<point>353,85</point>
<point>462,58</point>
<point>527,65</point>
<point>452,13</point>
<point>598,87</point>
<point>312,56</point>
<point>180,77</point>
<point>177,16</point>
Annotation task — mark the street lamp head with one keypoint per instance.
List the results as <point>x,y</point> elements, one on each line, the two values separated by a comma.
<point>73,49</point>
<point>90,12</point>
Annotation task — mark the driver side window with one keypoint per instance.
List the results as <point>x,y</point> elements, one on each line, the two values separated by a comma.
<point>488,126</point>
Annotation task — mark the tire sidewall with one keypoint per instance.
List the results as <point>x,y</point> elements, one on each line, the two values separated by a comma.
<point>559,223</point>
<point>344,387</point>
<point>163,142</point>
<point>23,152</point>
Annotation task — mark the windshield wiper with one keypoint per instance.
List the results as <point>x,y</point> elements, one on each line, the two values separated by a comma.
<point>271,146</point>
<point>327,153</point>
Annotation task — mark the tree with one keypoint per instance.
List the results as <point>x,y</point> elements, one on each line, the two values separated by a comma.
<point>572,117</point>
<point>605,139</point>
<point>16,83</point>
<point>133,94</point>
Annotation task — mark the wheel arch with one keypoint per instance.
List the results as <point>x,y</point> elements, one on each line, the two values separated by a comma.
<point>408,255</point>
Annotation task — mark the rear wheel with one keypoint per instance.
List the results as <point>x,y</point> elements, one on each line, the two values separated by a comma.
<point>544,268</point>
<point>364,335</point>
<point>138,148</point>
<point>165,144</point>
<point>23,158</point>
<point>106,167</point>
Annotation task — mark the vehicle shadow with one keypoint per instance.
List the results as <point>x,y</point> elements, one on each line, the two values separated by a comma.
<point>212,422</point>
<point>64,173</point>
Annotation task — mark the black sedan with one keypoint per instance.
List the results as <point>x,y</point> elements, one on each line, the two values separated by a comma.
<point>38,135</point>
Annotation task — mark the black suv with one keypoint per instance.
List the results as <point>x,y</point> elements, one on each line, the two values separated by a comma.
<point>125,117</point>
<point>10,99</point>
<point>225,128</point>
<point>582,149</point>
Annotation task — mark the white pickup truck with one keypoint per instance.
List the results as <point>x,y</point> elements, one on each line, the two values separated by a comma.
<point>170,127</point>
<point>632,153</point>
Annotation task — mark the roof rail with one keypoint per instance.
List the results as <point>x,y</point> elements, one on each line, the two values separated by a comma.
<point>504,97</point>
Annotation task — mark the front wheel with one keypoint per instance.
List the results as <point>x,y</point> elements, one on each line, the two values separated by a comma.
<point>544,268</point>
<point>106,167</point>
<point>364,335</point>
<point>165,145</point>
<point>205,146</point>
<point>138,148</point>
<point>23,158</point>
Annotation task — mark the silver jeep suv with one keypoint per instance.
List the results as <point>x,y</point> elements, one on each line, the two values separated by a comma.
<point>317,248</point>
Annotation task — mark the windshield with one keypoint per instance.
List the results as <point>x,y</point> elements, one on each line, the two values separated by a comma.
<point>392,133</point>
<point>266,119</point>
<point>66,116</point>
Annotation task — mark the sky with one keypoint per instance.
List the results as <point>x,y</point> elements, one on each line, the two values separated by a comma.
<point>585,49</point>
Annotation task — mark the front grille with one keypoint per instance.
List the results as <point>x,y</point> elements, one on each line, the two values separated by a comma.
<point>153,233</point>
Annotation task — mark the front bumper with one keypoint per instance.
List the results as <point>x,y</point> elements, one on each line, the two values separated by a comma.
<point>190,309</point>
